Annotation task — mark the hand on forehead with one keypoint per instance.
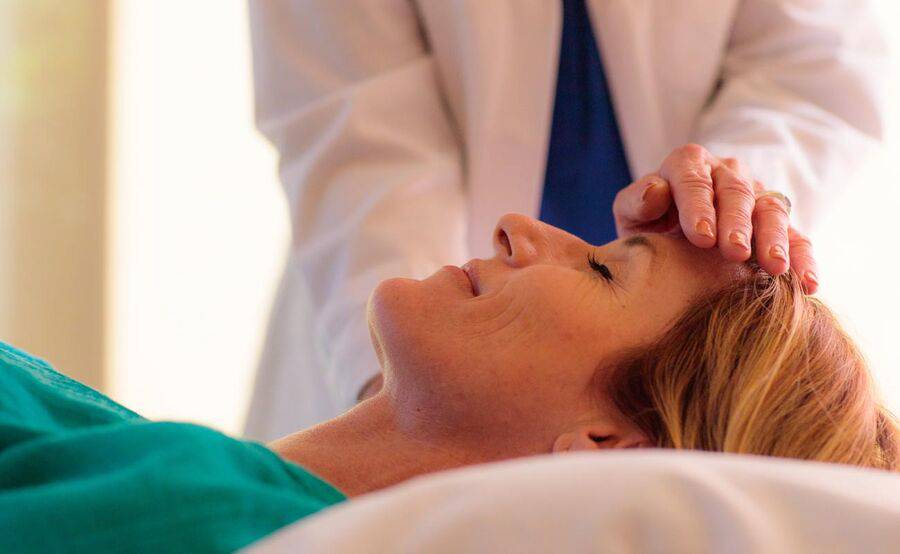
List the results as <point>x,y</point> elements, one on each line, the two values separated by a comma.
<point>714,204</point>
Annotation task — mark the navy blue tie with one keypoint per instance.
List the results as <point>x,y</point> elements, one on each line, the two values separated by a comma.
<point>586,163</point>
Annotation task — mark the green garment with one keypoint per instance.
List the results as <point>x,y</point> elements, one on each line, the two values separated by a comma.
<point>80,473</point>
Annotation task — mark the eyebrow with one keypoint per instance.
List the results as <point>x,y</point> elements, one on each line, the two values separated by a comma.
<point>640,240</point>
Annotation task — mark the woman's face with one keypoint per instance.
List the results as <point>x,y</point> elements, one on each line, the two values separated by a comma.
<point>506,349</point>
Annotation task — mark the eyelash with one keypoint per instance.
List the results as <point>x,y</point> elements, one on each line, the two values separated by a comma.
<point>600,268</point>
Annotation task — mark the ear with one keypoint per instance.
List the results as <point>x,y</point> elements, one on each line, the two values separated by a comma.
<point>600,436</point>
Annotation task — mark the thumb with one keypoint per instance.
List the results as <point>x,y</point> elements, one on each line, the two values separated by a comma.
<point>641,202</point>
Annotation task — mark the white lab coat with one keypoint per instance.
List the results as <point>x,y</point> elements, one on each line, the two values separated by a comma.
<point>407,128</point>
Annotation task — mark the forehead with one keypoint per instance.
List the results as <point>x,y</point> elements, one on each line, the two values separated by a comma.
<point>677,258</point>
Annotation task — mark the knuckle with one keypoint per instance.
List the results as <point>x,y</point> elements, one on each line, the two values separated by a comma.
<point>775,232</point>
<point>778,236</point>
<point>739,188</point>
<point>734,165</point>
<point>701,209</point>
<point>739,216</point>
<point>802,262</point>
<point>690,150</point>
<point>771,206</point>
<point>694,181</point>
<point>801,242</point>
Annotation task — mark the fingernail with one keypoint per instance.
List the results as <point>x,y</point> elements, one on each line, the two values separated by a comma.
<point>647,189</point>
<point>778,253</point>
<point>811,278</point>
<point>738,238</point>
<point>704,228</point>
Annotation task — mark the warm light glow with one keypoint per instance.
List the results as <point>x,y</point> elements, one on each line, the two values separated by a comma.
<point>857,244</point>
<point>199,224</point>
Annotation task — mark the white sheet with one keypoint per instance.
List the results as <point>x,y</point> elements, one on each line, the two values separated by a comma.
<point>627,501</point>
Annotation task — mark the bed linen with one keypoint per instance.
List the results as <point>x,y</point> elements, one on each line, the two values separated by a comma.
<point>628,501</point>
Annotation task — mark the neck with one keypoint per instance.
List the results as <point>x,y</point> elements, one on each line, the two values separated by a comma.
<point>365,450</point>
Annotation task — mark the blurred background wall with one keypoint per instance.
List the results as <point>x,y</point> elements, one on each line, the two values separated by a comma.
<point>142,227</point>
<point>53,186</point>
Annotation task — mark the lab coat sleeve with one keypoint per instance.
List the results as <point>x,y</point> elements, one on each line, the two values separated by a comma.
<point>369,159</point>
<point>801,99</point>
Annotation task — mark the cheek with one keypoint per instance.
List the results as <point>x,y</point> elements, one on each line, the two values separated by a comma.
<point>573,309</point>
<point>539,358</point>
<point>644,322</point>
<point>545,326</point>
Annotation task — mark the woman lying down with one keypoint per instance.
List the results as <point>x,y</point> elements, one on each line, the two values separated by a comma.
<point>551,346</point>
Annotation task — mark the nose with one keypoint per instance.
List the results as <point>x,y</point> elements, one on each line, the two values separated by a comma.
<point>516,240</point>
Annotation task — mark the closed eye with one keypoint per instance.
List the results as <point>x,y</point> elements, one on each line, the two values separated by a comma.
<point>602,269</point>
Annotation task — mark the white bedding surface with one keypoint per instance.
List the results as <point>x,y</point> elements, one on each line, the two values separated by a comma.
<point>626,501</point>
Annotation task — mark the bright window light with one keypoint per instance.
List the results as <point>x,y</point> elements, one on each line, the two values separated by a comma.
<point>199,225</point>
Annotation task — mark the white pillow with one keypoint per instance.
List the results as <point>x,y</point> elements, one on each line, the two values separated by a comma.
<point>623,501</point>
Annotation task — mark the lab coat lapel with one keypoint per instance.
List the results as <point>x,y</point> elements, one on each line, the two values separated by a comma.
<point>517,51</point>
<point>622,29</point>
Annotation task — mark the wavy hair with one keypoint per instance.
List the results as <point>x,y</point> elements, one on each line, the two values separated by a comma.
<point>757,368</point>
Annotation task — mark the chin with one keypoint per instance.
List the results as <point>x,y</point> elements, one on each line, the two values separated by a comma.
<point>392,299</point>
<point>395,313</point>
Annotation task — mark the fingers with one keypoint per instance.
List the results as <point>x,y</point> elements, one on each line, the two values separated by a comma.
<point>802,261</point>
<point>716,205</point>
<point>771,222</point>
<point>735,201</point>
<point>643,201</point>
<point>689,173</point>
<point>733,164</point>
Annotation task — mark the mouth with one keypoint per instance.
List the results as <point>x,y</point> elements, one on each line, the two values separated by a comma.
<point>472,274</point>
<point>462,277</point>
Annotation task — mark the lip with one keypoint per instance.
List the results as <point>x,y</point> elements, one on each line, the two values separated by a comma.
<point>463,277</point>
<point>472,274</point>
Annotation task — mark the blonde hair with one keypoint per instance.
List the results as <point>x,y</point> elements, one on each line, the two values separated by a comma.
<point>758,368</point>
